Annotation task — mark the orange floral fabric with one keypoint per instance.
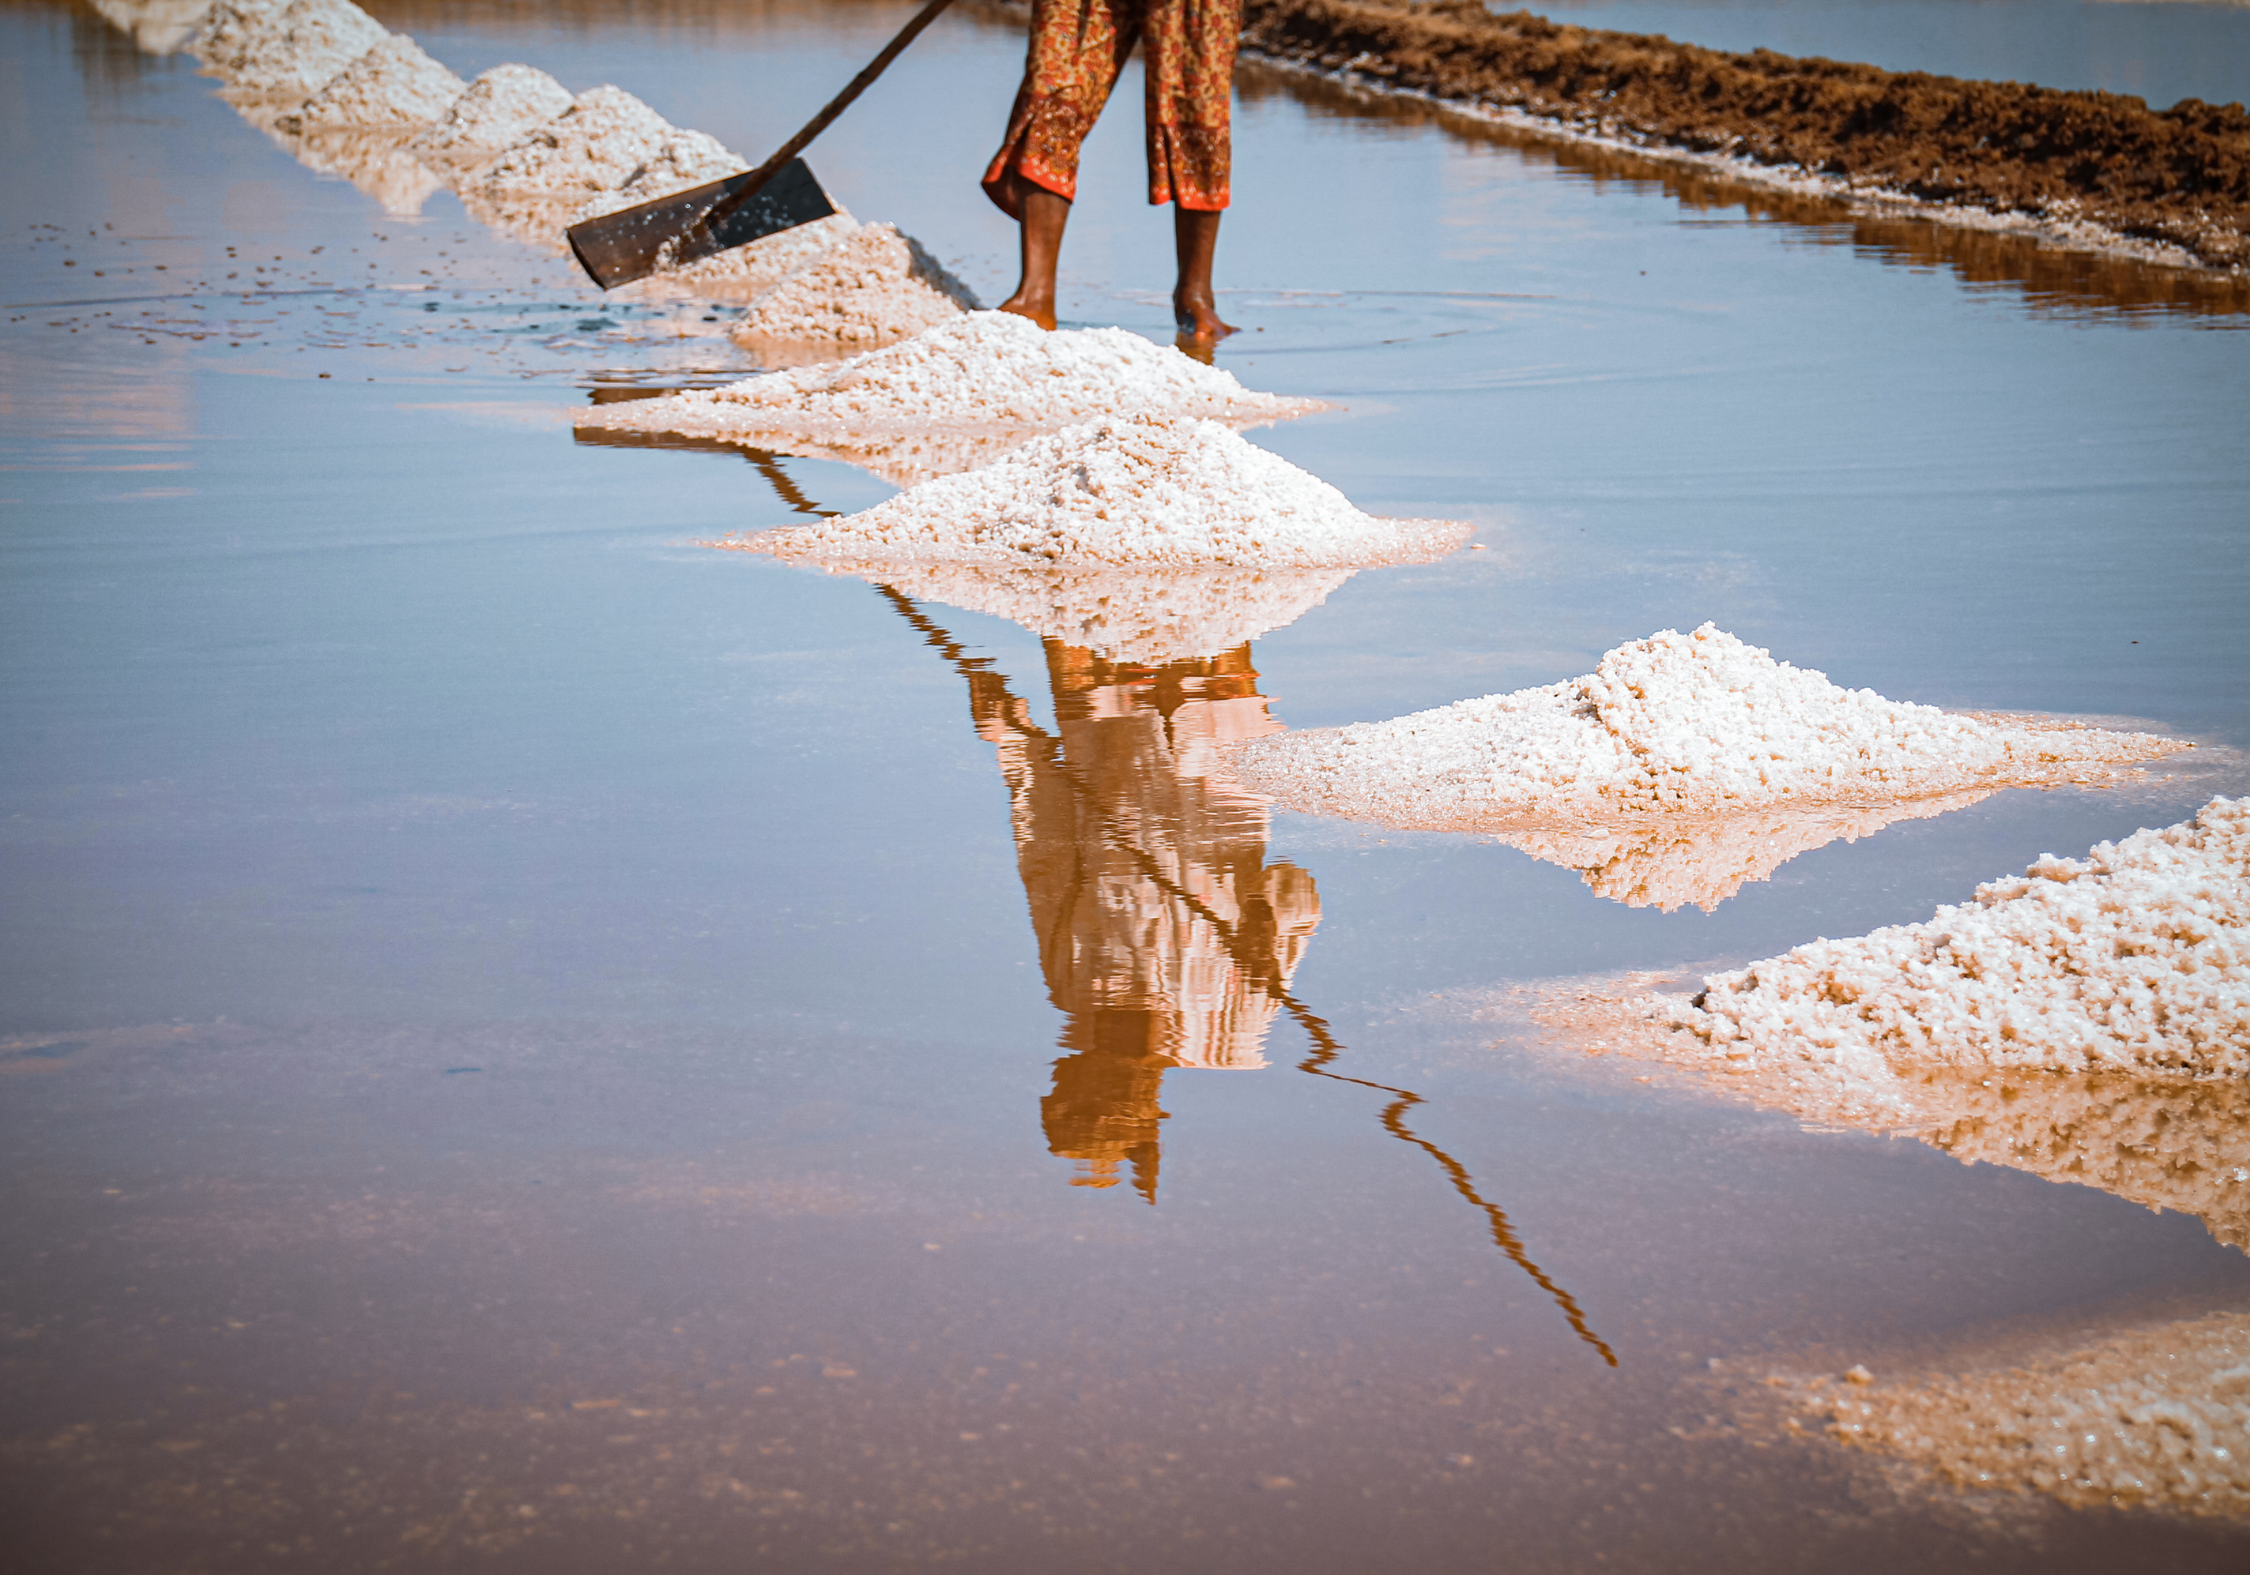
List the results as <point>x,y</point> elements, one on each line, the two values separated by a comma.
<point>1078,47</point>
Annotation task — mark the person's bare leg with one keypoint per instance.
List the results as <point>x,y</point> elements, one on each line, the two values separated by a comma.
<point>1195,307</point>
<point>1044,215</point>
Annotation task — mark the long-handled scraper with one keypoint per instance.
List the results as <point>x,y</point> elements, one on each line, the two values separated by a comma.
<point>778,195</point>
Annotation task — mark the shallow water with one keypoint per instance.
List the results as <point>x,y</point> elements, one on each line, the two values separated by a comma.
<point>526,1047</point>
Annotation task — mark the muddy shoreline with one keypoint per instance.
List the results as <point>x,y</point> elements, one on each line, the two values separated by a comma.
<point>2092,171</point>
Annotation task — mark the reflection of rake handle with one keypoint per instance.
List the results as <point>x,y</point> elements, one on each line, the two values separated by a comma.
<point>1264,973</point>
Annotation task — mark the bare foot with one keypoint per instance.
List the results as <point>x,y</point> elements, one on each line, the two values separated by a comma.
<point>1044,316</point>
<point>1195,235</point>
<point>1199,320</point>
<point>1043,215</point>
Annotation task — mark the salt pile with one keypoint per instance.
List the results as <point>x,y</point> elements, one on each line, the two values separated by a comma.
<point>1136,492</point>
<point>582,160</point>
<point>874,288</point>
<point>298,49</point>
<point>158,27</point>
<point>743,273</point>
<point>2156,1416</point>
<point>2135,958</point>
<point>226,29</point>
<point>1121,615</point>
<point>1697,723</point>
<point>957,395</point>
<point>499,109</point>
<point>393,85</point>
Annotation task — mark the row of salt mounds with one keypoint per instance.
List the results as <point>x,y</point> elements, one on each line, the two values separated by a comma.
<point>874,288</point>
<point>2136,958</point>
<point>1697,723</point>
<point>530,160</point>
<point>1142,492</point>
<point>2156,1416</point>
<point>955,397</point>
<point>1121,615</point>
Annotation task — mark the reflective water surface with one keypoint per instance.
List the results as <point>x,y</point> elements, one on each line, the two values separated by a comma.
<point>529,1044</point>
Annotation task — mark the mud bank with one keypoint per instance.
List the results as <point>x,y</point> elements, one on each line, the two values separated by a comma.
<point>2095,170</point>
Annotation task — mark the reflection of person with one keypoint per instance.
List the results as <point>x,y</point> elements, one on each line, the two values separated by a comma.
<point>1078,47</point>
<point>1159,920</point>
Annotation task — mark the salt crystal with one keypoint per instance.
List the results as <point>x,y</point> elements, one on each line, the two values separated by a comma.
<point>1134,491</point>
<point>158,27</point>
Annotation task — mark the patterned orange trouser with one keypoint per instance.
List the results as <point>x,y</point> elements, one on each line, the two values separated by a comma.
<point>1077,49</point>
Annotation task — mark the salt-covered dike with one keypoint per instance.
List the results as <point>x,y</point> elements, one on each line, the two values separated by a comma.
<point>2100,170</point>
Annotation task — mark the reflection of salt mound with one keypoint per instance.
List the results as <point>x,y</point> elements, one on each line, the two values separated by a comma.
<point>2168,1144</point>
<point>607,151</point>
<point>381,164</point>
<point>1675,722</point>
<point>2156,1416</point>
<point>1140,491</point>
<point>299,49</point>
<point>158,27</point>
<point>394,85</point>
<point>1669,862</point>
<point>874,288</point>
<point>494,113</point>
<point>742,273</point>
<point>2136,958</point>
<point>1120,615</point>
<point>992,378</point>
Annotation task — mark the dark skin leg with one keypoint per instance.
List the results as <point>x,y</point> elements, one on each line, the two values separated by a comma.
<point>1195,237</point>
<point>1043,215</point>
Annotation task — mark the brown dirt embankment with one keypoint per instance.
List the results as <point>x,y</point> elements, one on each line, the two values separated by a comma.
<point>2180,178</point>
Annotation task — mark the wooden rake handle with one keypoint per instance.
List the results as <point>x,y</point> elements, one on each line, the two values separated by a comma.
<point>820,122</point>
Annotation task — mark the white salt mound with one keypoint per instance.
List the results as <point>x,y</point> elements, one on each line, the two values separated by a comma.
<point>1139,491</point>
<point>226,28</point>
<point>873,288</point>
<point>2135,958</point>
<point>300,49</point>
<point>2156,1416</point>
<point>495,112</point>
<point>158,27</point>
<point>743,273</point>
<point>607,151</point>
<point>393,85</point>
<point>1675,723</point>
<point>987,374</point>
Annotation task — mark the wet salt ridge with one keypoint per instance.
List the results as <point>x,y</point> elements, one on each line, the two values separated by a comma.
<point>532,1042</point>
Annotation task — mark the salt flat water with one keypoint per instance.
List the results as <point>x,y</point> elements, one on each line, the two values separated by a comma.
<point>531,1044</point>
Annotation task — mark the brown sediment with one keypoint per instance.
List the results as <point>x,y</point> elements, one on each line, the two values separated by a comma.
<point>2176,182</point>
